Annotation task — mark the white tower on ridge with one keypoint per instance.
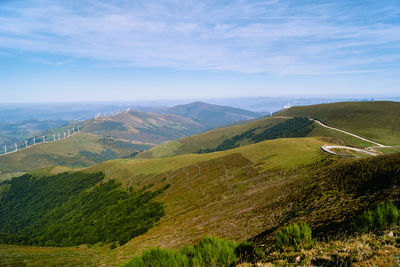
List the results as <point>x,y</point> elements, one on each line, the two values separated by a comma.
<point>68,133</point>
<point>58,136</point>
<point>16,147</point>
<point>64,135</point>
<point>54,136</point>
<point>34,140</point>
<point>26,143</point>
<point>44,139</point>
<point>78,128</point>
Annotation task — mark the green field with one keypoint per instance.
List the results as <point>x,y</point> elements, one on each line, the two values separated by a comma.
<point>378,121</point>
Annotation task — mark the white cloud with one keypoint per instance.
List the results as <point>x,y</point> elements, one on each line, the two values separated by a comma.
<point>243,36</point>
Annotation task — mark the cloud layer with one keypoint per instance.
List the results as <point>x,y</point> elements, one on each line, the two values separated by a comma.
<point>278,37</point>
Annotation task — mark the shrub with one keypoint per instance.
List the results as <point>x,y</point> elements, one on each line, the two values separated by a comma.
<point>211,251</point>
<point>248,252</point>
<point>159,257</point>
<point>383,216</point>
<point>296,236</point>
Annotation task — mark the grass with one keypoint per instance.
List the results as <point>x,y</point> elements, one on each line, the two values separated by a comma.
<point>378,121</point>
<point>272,154</point>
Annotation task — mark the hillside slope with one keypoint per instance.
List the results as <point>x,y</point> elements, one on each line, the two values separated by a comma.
<point>210,139</point>
<point>249,192</point>
<point>378,121</point>
<point>80,150</point>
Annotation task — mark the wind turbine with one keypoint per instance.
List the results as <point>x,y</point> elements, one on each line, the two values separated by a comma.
<point>64,135</point>
<point>44,139</point>
<point>34,140</point>
<point>54,137</point>
<point>58,136</point>
<point>16,147</point>
<point>26,143</point>
<point>68,132</point>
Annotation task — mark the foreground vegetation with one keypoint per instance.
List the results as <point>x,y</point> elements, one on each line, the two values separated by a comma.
<point>210,251</point>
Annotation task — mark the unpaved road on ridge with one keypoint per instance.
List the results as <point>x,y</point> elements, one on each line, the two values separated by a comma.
<point>328,148</point>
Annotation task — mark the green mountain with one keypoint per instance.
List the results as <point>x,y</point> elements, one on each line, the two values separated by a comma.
<point>212,116</point>
<point>354,117</point>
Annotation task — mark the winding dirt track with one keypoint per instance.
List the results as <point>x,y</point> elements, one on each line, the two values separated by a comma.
<point>328,148</point>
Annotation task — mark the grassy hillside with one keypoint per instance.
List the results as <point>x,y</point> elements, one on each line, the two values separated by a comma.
<point>208,140</point>
<point>80,150</point>
<point>172,123</point>
<point>143,126</point>
<point>272,154</point>
<point>378,121</point>
<point>249,192</point>
<point>355,117</point>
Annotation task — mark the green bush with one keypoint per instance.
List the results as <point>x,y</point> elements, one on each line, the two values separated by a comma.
<point>296,236</point>
<point>159,257</point>
<point>211,251</point>
<point>383,216</point>
<point>248,252</point>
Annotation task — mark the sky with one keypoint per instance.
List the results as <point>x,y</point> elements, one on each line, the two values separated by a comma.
<point>94,50</point>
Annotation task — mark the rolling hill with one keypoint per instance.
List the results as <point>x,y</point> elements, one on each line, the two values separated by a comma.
<point>249,190</point>
<point>168,124</point>
<point>377,120</point>
<point>133,131</point>
<point>80,150</point>
<point>385,125</point>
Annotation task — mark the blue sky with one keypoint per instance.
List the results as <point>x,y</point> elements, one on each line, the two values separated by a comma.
<point>94,50</point>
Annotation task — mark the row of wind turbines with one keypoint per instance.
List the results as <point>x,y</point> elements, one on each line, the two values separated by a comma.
<point>56,137</point>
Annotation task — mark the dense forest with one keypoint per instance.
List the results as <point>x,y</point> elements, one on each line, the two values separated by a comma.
<point>295,127</point>
<point>74,208</point>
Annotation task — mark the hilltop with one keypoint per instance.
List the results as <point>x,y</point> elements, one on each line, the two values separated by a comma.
<point>376,120</point>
